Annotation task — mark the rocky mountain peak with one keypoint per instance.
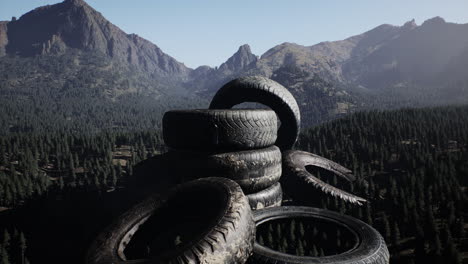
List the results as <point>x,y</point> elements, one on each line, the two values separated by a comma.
<point>73,24</point>
<point>241,59</point>
<point>245,49</point>
<point>410,24</point>
<point>75,3</point>
<point>434,21</point>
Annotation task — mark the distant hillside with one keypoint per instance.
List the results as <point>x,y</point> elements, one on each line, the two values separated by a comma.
<point>69,50</point>
<point>386,55</point>
<point>74,24</point>
<point>66,66</point>
<point>385,67</point>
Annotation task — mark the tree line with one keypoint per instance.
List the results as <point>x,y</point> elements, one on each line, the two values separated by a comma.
<point>411,165</point>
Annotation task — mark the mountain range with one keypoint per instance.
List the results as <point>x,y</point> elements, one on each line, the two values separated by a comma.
<point>68,52</point>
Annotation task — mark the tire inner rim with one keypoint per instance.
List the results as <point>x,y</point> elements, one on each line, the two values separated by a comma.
<point>175,225</point>
<point>305,235</point>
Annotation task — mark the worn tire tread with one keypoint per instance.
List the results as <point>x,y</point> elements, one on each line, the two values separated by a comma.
<point>268,92</point>
<point>215,130</point>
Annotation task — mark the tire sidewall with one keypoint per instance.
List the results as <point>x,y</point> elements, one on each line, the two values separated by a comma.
<point>371,247</point>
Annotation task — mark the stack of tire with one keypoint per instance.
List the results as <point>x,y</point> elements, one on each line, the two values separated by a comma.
<point>238,144</point>
<point>230,161</point>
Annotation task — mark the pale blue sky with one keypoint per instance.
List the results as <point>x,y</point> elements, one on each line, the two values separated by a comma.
<point>203,32</point>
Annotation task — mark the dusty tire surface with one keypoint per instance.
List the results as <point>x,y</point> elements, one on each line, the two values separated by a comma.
<point>179,227</point>
<point>269,197</point>
<point>262,90</point>
<point>301,185</point>
<point>213,130</point>
<point>370,247</point>
<point>253,170</point>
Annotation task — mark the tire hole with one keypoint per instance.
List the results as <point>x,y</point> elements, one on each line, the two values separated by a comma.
<point>305,236</point>
<point>185,217</point>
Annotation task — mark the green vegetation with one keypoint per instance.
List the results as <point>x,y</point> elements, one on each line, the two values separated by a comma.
<point>39,171</point>
<point>83,92</point>
<point>13,247</point>
<point>31,163</point>
<point>415,162</point>
<point>305,237</point>
<point>318,99</point>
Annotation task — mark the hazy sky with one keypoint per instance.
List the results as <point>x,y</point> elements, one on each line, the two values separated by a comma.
<point>202,32</point>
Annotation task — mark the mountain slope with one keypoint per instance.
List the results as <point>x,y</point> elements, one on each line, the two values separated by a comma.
<point>386,67</point>
<point>69,50</point>
<point>384,56</point>
<point>64,66</point>
<point>74,24</point>
<point>416,55</point>
<point>206,80</point>
<point>239,61</point>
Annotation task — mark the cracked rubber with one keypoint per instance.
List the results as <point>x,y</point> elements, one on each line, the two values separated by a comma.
<point>204,221</point>
<point>253,170</point>
<point>269,197</point>
<point>262,90</point>
<point>216,130</point>
<point>301,185</point>
<point>369,249</point>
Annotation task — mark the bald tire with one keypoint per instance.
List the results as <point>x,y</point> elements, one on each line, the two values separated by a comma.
<point>369,249</point>
<point>216,130</point>
<point>269,197</point>
<point>253,170</point>
<point>303,186</point>
<point>203,221</point>
<point>262,90</point>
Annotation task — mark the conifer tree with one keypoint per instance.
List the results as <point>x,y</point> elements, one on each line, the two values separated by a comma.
<point>395,234</point>
<point>4,256</point>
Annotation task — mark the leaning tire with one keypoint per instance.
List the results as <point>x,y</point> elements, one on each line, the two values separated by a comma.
<point>204,221</point>
<point>253,170</point>
<point>301,185</point>
<point>214,130</point>
<point>269,197</point>
<point>268,92</point>
<point>368,248</point>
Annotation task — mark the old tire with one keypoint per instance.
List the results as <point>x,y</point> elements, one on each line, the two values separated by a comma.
<point>268,92</point>
<point>253,170</point>
<point>269,197</point>
<point>369,247</point>
<point>216,130</point>
<point>203,221</point>
<point>302,186</point>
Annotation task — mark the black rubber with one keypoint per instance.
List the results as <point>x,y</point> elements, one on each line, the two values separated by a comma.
<point>253,170</point>
<point>204,221</point>
<point>215,130</point>
<point>269,197</point>
<point>268,92</point>
<point>369,247</point>
<point>151,176</point>
<point>301,185</point>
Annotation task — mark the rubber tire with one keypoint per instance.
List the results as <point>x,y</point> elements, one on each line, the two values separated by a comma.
<point>149,176</point>
<point>217,130</point>
<point>269,197</point>
<point>371,248</point>
<point>228,239</point>
<point>253,170</point>
<point>268,92</point>
<point>302,186</point>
